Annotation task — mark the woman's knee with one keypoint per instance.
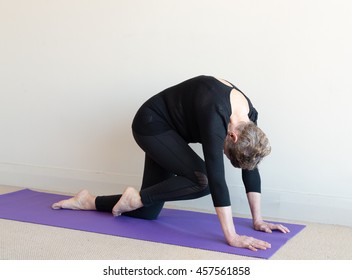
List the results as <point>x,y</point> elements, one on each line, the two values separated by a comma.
<point>146,213</point>
<point>202,180</point>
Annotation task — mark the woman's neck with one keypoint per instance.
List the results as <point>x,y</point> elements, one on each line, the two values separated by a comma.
<point>239,108</point>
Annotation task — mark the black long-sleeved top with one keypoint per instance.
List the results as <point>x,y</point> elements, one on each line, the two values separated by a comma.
<point>199,109</point>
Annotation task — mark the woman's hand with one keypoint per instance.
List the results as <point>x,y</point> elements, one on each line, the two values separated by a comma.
<point>243,241</point>
<point>269,227</point>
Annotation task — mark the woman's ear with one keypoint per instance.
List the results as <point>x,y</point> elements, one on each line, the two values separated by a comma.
<point>233,136</point>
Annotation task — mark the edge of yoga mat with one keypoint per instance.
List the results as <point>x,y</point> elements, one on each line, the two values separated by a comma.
<point>174,227</point>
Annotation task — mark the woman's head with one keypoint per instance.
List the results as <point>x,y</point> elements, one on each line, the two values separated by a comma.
<point>246,146</point>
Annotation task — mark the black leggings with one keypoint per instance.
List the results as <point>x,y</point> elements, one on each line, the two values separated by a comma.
<point>172,171</point>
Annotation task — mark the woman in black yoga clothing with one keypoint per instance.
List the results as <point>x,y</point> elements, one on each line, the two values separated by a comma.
<point>203,110</point>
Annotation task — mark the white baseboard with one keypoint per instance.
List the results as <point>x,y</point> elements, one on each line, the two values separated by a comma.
<point>276,204</point>
<point>310,207</point>
<point>283,205</point>
<point>64,180</point>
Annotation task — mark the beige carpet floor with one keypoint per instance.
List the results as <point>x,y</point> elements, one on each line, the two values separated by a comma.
<point>25,241</point>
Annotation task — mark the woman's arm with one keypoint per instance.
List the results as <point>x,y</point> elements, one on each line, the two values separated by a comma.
<point>226,221</point>
<point>254,200</point>
<point>252,183</point>
<point>232,238</point>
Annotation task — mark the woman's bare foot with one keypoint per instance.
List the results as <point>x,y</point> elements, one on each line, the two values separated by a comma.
<point>81,201</point>
<point>129,201</point>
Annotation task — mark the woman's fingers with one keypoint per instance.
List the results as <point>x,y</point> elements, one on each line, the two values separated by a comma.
<point>255,244</point>
<point>283,229</point>
<point>265,227</point>
<point>262,245</point>
<point>269,227</point>
<point>279,227</point>
<point>251,243</point>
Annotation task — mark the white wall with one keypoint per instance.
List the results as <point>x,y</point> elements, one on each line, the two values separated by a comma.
<point>73,73</point>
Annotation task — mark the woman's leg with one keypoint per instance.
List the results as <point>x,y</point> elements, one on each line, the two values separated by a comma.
<point>189,179</point>
<point>153,174</point>
<point>186,179</point>
<point>173,171</point>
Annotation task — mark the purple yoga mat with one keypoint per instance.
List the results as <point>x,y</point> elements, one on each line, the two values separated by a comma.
<point>176,227</point>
